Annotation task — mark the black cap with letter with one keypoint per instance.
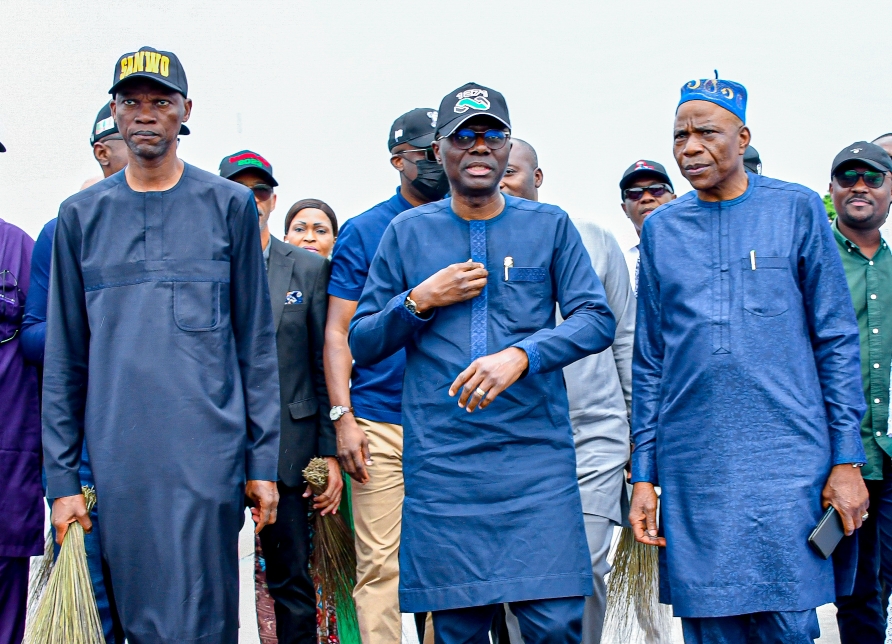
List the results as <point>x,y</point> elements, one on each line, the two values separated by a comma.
<point>163,67</point>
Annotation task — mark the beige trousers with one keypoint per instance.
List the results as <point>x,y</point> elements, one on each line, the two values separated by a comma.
<point>377,517</point>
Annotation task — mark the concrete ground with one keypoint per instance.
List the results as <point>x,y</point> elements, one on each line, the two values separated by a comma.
<point>248,620</point>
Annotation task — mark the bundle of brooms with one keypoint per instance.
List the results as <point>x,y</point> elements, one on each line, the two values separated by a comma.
<point>66,610</point>
<point>634,612</point>
<point>332,564</point>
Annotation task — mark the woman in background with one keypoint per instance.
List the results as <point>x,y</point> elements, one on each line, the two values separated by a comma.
<point>311,224</point>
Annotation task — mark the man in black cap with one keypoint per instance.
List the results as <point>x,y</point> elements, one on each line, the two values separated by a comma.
<point>297,285</point>
<point>161,355</point>
<point>492,510</point>
<point>861,189</point>
<point>367,398</point>
<point>645,186</point>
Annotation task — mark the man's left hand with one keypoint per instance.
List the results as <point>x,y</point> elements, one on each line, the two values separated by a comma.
<point>265,496</point>
<point>491,375</point>
<point>845,491</point>
<point>330,499</point>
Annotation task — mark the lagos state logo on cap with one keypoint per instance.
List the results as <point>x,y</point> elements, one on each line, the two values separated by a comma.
<point>856,150</point>
<point>472,99</point>
<point>643,165</point>
<point>433,117</point>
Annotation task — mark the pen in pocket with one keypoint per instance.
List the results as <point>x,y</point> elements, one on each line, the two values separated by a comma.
<point>509,263</point>
<point>753,259</point>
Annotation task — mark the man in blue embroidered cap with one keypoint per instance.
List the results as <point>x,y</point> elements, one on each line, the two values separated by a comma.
<point>492,511</point>
<point>748,398</point>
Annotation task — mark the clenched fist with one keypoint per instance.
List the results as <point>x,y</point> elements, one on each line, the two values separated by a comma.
<point>453,284</point>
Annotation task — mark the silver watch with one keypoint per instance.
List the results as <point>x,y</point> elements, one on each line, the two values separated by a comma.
<point>410,305</point>
<point>337,411</point>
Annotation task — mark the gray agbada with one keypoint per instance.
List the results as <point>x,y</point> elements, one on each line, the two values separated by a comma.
<point>161,353</point>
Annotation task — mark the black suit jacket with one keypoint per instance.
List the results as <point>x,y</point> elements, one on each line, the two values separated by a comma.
<point>307,430</point>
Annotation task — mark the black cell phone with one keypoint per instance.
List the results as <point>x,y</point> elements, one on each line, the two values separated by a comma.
<point>827,534</point>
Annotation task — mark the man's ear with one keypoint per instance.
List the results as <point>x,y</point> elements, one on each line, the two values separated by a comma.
<point>275,198</point>
<point>188,109</point>
<point>540,177</point>
<point>397,161</point>
<point>674,196</point>
<point>623,206</point>
<point>436,148</point>
<point>100,153</point>
<point>745,138</point>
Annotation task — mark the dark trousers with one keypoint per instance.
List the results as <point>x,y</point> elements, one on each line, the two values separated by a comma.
<point>862,615</point>
<point>793,627</point>
<point>543,621</point>
<point>286,549</point>
<point>13,598</point>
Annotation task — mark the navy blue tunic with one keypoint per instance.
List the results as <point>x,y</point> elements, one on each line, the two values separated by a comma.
<point>161,353</point>
<point>747,390</point>
<point>492,510</point>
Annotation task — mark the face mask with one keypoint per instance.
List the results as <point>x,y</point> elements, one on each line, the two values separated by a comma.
<point>431,181</point>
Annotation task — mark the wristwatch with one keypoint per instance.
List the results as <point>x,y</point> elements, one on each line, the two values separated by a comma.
<point>337,411</point>
<point>410,305</point>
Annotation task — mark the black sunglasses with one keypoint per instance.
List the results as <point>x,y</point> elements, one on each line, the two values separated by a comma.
<point>262,192</point>
<point>428,153</point>
<point>465,138</point>
<point>656,190</point>
<point>848,179</point>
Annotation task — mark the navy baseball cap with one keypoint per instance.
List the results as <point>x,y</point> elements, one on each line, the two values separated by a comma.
<point>237,163</point>
<point>163,67</point>
<point>465,103</point>
<point>751,160</point>
<point>642,168</point>
<point>869,154</point>
<point>415,127</point>
<point>105,126</point>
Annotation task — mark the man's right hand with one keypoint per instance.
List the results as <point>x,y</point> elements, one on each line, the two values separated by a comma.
<point>67,510</point>
<point>453,284</point>
<point>643,514</point>
<point>353,448</point>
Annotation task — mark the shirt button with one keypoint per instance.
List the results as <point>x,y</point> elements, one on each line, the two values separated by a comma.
<point>870,262</point>
<point>876,330</point>
<point>879,433</point>
<point>876,365</point>
<point>876,400</point>
<point>873,296</point>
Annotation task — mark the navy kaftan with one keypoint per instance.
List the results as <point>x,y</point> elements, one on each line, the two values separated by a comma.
<point>492,510</point>
<point>746,391</point>
<point>161,354</point>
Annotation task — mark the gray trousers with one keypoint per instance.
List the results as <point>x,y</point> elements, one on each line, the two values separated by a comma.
<point>599,532</point>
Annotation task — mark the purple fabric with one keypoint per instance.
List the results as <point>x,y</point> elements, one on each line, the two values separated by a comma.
<point>21,495</point>
<point>13,598</point>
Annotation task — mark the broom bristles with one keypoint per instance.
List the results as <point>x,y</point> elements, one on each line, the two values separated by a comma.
<point>634,613</point>
<point>66,612</point>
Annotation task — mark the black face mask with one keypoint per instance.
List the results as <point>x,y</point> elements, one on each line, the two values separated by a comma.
<point>431,181</point>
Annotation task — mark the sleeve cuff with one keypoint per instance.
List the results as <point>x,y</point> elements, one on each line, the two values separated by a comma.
<point>849,449</point>
<point>415,320</point>
<point>327,446</point>
<point>531,348</point>
<point>262,469</point>
<point>351,294</point>
<point>644,467</point>
<point>68,484</point>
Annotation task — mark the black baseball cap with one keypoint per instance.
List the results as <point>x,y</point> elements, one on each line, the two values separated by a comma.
<point>642,168</point>
<point>415,127</point>
<point>234,164</point>
<point>869,154</point>
<point>751,160</point>
<point>105,125</point>
<point>465,103</point>
<point>163,67</point>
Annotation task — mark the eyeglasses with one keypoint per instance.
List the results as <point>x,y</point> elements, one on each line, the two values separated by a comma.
<point>262,192</point>
<point>11,304</point>
<point>656,190</point>
<point>428,153</point>
<point>465,138</point>
<point>848,179</point>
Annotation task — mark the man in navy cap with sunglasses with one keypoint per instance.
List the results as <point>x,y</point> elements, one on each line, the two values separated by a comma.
<point>748,398</point>
<point>492,511</point>
<point>161,357</point>
<point>861,189</point>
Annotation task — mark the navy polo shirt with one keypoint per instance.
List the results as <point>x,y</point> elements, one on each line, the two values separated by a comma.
<point>376,392</point>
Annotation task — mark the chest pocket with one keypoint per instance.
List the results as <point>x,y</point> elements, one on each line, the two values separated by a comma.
<point>196,305</point>
<point>766,289</point>
<point>524,297</point>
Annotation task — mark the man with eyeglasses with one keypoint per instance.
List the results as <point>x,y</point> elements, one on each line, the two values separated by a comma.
<point>367,398</point>
<point>644,187</point>
<point>23,509</point>
<point>599,390</point>
<point>861,189</point>
<point>161,357</point>
<point>492,511</point>
<point>747,389</point>
<point>297,285</point>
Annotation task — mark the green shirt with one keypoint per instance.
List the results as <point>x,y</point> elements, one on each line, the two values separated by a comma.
<point>870,282</point>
